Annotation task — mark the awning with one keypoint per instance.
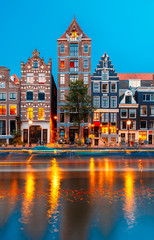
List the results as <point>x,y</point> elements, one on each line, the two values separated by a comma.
<point>97,124</point>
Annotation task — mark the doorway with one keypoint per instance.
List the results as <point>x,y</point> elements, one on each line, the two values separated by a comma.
<point>35,134</point>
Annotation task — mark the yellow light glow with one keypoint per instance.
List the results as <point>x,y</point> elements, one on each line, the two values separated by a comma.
<point>40,113</point>
<point>29,113</point>
<point>128,122</point>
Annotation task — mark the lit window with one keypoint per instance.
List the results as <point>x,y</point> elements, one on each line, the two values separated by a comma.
<point>74,36</point>
<point>123,113</point>
<point>85,78</point>
<point>40,113</point>
<point>41,95</point>
<point>62,64</point>
<point>2,96</point>
<point>62,48</point>
<point>143,136</point>
<point>41,78</point>
<point>96,87</point>
<point>85,48</point>
<point>12,96</point>
<point>105,130</point>
<point>29,77</point>
<point>85,63</point>
<point>2,110</point>
<point>29,96</point>
<point>113,87</point>
<point>104,87</point>
<point>113,102</point>
<point>13,110</point>
<point>74,65</point>
<point>96,116</point>
<point>105,102</point>
<point>143,110</point>
<point>104,75</point>
<point>96,101</point>
<point>62,78</point>
<point>62,94</point>
<point>113,130</point>
<point>74,78</point>
<point>29,113</point>
<point>73,49</point>
<point>35,64</point>
<point>2,85</point>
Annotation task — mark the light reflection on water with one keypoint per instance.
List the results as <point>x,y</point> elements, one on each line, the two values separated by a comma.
<point>106,200</point>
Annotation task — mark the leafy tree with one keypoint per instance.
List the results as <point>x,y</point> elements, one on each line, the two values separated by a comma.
<point>78,103</point>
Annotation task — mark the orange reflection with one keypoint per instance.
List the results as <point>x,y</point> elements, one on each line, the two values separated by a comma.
<point>92,174</point>
<point>28,197</point>
<point>129,203</point>
<point>54,178</point>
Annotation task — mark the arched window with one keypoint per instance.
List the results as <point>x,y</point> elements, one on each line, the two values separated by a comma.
<point>85,48</point>
<point>62,48</point>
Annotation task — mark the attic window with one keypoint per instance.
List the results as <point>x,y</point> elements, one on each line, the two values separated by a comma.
<point>35,64</point>
<point>74,36</point>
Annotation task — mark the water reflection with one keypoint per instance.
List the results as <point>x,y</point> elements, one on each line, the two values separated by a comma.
<point>58,204</point>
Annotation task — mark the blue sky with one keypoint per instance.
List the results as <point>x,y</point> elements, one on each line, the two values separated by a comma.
<point>122,28</point>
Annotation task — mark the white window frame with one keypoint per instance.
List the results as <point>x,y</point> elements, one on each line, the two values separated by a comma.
<point>97,118</point>
<point>115,83</point>
<point>60,97</point>
<point>98,97</point>
<point>5,98</point>
<point>40,75</point>
<point>103,119</point>
<point>146,110</point>
<point>62,78</point>
<point>9,110</point>
<point>85,59</point>
<point>12,98</point>
<point>107,87</point>
<point>121,113</point>
<point>6,109</point>
<point>143,121</point>
<point>98,83</point>
<point>107,101</point>
<point>149,110</point>
<point>85,78</point>
<point>15,124</point>
<point>107,78</point>
<point>31,75</point>
<point>121,125</point>
<point>5,125</point>
<point>2,83</point>
<point>131,110</point>
<point>116,101</point>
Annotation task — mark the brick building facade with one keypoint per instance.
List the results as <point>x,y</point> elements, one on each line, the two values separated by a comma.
<point>37,93</point>
<point>9,105</point>
<point>74,62</point>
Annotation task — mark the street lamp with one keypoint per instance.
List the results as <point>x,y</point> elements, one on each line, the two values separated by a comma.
<point>30,123</point>
<point>128,124</point>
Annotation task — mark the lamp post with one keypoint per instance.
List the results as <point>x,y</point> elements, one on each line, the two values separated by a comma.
<point>30,123</point>
<point>128,124</point>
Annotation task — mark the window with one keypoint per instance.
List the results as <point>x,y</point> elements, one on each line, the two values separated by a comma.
<point>29,77</point>
<point>105,117</point>
<point>152,124</point>
<point>74,65</point>
<point>12,126</point>
<point>41,95</point>
<point>133,125</point>
<point>104,75</point>
<point>40,113</point>
<point>146,97</point>
<point>96,86</point>
<point>85,63</point>
<point>104,87</point>
<point>13,110</point>
<point>96,116</point>
<point>2,96</point>
<point>96,101</point>
<point>2,85</point>
<point>123,125</point>
<point>61,63</point>
<point>35,64</point>
<point>2,127</point>
<point>113,130</point>
<point>62,78</point>
<point>113,102</point>
<point>143,110</point>
<point>29,96</point>
<point>74,78</point>
<point>62,117</point>
<point>143,124</point>
<point>132,113</point>
<point>12,96</point>
<point>113,87</point>
<point>105,102</point>
<point>123,113</point>
<point>74,36</point>
<point>152,110</point>
<point>62,94</point>
<point>41,78</point>
<point>62,48</point>
<point>2,110</point>
<point>85,78</point>
<point>128,100</point>
<point>73,49</point>
<point>85,48</point>
<point>113,118</point>
<point>143,136</point>
<point>29,113</point>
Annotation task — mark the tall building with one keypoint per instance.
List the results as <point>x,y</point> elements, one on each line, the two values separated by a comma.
<point>105,94</point>
<point>38,100</point>
<point>74,62</point>
<point>9,105</point>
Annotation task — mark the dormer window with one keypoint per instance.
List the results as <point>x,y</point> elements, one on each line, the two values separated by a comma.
<point>62,48</point>
<point>35,64</point>
<point>74,36</point>
<point>128,100</point>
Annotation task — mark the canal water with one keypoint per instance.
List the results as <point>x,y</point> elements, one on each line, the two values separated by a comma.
<point>76,198</point>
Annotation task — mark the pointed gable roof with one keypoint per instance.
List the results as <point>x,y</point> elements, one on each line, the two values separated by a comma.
<point>15,79</point>
<point>74,26</point>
